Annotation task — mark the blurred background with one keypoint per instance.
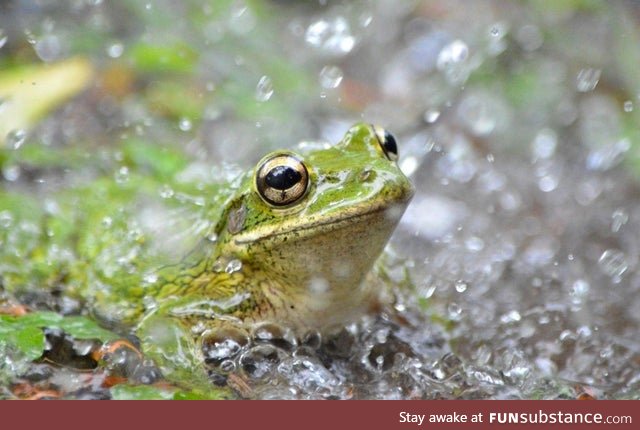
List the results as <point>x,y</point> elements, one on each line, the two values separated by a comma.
<point>517,121</point>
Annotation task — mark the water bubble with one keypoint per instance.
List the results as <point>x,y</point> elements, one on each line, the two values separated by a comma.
<point>115,50</point>
<point>48,48</point>
<point>150,278</point>
<point>548,183</point>
<point>233,266</point>
<point>275,334</point>
<point>461,286</point>
<point>454,53</point>
<point>511,316</point>
<point>613,263</point>
<point>185,124</point>
<point>332,36</point>
<point>479,113</point>
<point>309,374</point>
<point>454,311</point>
<point>264,89</point>
<point>580,288</point>
<point>122,175</point>
<point>11,172</point>
<point>107,222</point>
<point>608,155</point>
<point>628,106</point>
<point>260,361</point>
<point>474,244</point>
<point>431,115</point>
<point>331,77</point>
<point>3,38</point>
<point>544,144</point>
<point>587,79</point>
<point>242,19</point>
<point>618,218</point>
<point>452,60</point>
<point>529,37</point>
<point>15,138</point>
<point>222,344</point>
<point>166,192</point>
<point>6,219</point>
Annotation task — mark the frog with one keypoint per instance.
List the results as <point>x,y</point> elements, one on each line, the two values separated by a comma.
<point>292,241</point>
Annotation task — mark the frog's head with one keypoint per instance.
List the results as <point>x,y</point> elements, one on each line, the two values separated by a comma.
<point>318,221</point>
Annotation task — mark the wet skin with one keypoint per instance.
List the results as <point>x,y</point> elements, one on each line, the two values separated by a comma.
<point>289,242</point>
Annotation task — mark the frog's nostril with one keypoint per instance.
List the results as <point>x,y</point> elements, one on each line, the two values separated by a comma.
<point>367,175</point>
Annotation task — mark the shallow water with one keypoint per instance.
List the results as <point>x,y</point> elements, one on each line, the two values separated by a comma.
<point>517,261</point>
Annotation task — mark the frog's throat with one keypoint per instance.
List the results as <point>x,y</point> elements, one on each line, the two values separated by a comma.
<point>393,211</point>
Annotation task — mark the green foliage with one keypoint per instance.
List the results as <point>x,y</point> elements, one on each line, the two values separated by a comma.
<point>176,58</point>
<point>25,333</point>
<point>152,392</point>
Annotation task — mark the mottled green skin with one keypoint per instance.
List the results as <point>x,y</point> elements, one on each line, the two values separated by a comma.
<point>212,256</point>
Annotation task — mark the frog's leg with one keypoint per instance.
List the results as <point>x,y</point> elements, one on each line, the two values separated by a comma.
<point>171,345</point>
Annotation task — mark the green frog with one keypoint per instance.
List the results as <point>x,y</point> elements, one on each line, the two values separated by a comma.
<point>182,266</point>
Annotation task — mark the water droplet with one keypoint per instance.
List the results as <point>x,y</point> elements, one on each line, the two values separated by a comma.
<point>474,244</point>
<point>453,53</point>
<point>451,62</point>
<point>587,79</point>
<point>6,219</point>
<point>122,175</point>
<point>233,266</point>
<point>11,172</point>
<point>529,37</point>
<point>618,218</point>
<point>478,113</point>
<point>150,278</point>
<point>544,144</point>
<point>264,89</point>
<point>107,222</point>
<point>431,115</point>
<point>212,237</point>
<point>15,138</point>
<point>511,316</point>
<point>115,50</point>
<point>548,183</point>
<point>498,30</point>
<point>331,76</point>
<point>613,263</point>
<point>48,48</point>
<point>242,19</point>
<point>333,36</point>
<point>454,311</point>
<point>461,286</point>
<point>166,192</point>
<point>3,38</point>
<point>628,106</point>
<point>580,288</point>
<point>185,124</point>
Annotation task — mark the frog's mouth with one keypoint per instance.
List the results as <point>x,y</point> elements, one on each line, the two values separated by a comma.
<point>295,230</point>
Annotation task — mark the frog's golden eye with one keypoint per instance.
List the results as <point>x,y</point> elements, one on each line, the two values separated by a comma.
<point>282,179</point>
<point>387,142</point>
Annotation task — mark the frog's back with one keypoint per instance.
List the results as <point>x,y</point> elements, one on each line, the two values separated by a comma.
<point>105,243</point>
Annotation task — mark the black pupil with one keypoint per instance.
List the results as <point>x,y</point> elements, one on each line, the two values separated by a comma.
<point>282,177</point>
<point>390,143</point>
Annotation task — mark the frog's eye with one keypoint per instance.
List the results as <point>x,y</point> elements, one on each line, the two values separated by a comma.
<point>282,179</point>
<point>387,142</point>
